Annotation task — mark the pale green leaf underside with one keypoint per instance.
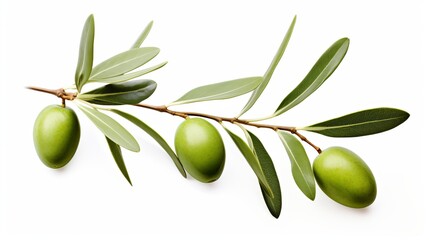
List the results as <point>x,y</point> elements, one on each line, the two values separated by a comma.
<point>129,76</point>
<point>143,35</point>
<point>267,76</point>
<point>111,128</point>
<point>300,164</point>
<point>221,90</point>
<point>318,74</point>
<point>248,138</point>
<point>115,149</point>
<point>274,204</point>
<point>155,136</point>
<point>86,52</point>
<point>123,62</point>
<point>361,123</point>
<point>252,160</point>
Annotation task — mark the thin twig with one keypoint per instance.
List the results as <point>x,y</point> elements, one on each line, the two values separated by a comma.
<point>71,96</point>
<point>231,120</point>
<point>57,92</point>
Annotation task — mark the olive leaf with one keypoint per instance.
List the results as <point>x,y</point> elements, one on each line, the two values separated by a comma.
<point>86,52</point>
<point>123,62</point>
<point>274,203</point>
<point>129,76</point>
<point>218,91</point>
<point>111,128</point>
<point>366,122</point>
<point>155,136</point>
<point>300,164</point>
<point>267,76</point>
<point>115,149</point>
<point>252,160</point>
<point>143,35</point>
<point>318,74</point>
<point>131,92</point>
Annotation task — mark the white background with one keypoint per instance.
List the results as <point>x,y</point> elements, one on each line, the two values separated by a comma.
<point>207,42</point>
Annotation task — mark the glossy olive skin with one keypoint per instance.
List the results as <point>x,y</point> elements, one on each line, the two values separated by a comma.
<point>56,135</point>
<point>345,177</point>
<point>200,148</point>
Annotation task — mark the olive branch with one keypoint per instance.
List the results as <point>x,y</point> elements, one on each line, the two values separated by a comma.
<point>118,75</point>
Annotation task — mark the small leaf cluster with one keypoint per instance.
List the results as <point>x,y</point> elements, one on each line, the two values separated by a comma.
<point>118,73</point>
<point>120,87</point>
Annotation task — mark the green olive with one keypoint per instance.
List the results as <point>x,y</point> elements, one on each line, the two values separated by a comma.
<point>200,148</point>
<point>345,178</point>
<point>56,135</point>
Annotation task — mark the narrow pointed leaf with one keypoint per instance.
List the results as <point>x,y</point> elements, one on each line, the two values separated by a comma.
<point>115,149</point>
<point>86,52</point>
<point>252,160</point>
<point>143,35</point>
<point>267,77</point>
<point>248,138</point>
<point>218,91</point>
<point>111,128</point>
<point>301,167</point>
<point>155,136</point>
<point>131,92</point>
<point>274,203</point>
<point>129,76</point>
<point>361,123</point>
<point>320,72</point>
<point>123,62</point>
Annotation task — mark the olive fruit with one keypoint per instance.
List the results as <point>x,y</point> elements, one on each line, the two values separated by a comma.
<point>200,148</point>
<point>56,135</point>
<point>345,178</point>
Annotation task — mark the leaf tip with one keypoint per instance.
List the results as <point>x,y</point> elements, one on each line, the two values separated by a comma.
<point>312,196</point>
<point>276,214</point>
<point>136,148</point>
<point>346,40</point>
<point>406,115</point>
<point>90,19</point>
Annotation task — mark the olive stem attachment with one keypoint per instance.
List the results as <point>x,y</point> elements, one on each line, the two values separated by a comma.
<point>61,93</point>
<point>233,120</point>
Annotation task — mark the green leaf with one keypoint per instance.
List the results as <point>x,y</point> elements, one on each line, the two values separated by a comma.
<point>143,35</point>
<point>301,167</point>
<point>129,76</point>
<point>111,129</point>
<point>361,123</point>
<point>123,62</point>
<point>274,203</point>
<point>155,136</point>
<point>218,91</point>
<point>258,91</point>
<point>323,68</point>
<point>115,149</point>
<point>86,52</point>
<point>252,160</point>
<point>131,92</point>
